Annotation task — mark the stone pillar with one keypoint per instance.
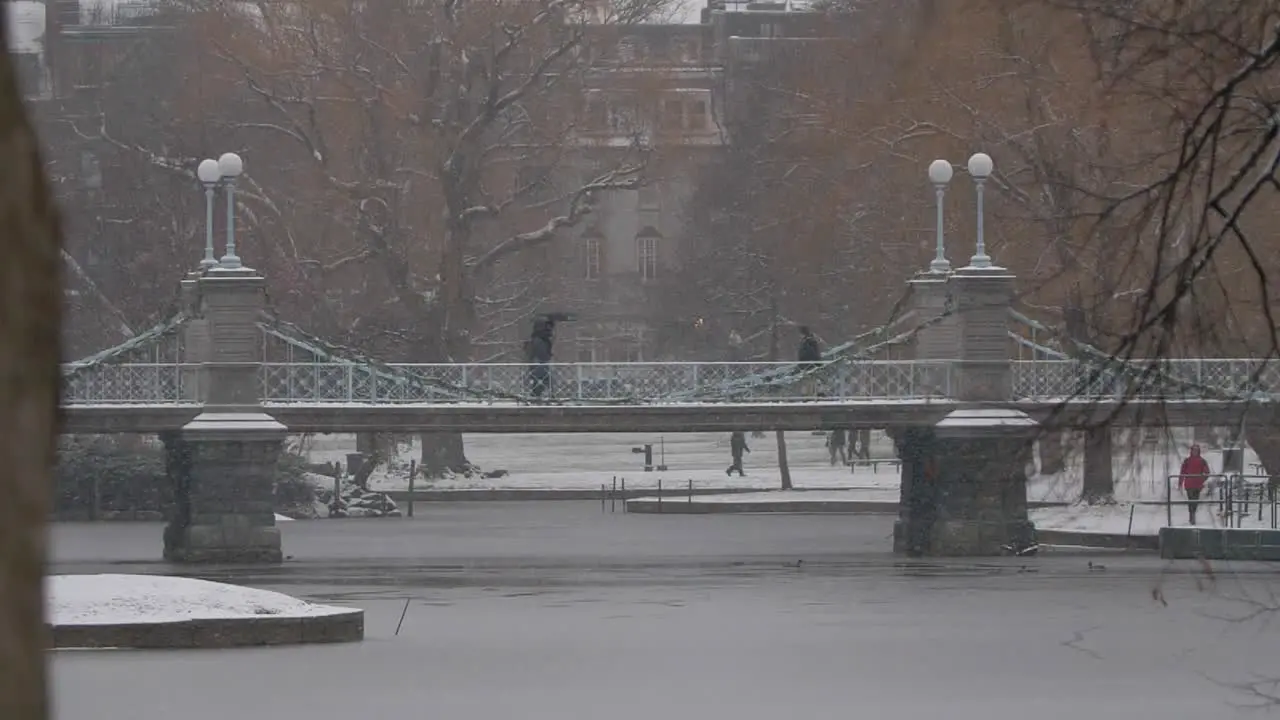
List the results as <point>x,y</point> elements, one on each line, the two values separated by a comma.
<point>195,340</point>
<point>177,467</point>
<point>982,456</point>
<point>936,344</point>
<point>931,293</point>
<point>982,298</point>
<point>918,501</point>
<point>967,494</point>
<point>233,445</point>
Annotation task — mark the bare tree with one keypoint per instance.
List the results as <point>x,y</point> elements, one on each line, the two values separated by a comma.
<point>1054,135</point>
<point>435,136</point>
<point>408,161</point>
<point>791,221</point>
<point>29,355</point>
<point>784,230</point>
<point>1205,73</point>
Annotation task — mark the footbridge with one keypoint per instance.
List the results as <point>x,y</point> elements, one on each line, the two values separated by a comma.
<point>961,380</point>
<point>223,381</point>
<point>155,383</point>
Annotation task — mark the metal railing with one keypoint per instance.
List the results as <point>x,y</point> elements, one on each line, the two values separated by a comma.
<point>638,383</point>
<point>1195,379</point>
<point>131,384</point>
<point>1235,496</point>
<point>1243,495</point>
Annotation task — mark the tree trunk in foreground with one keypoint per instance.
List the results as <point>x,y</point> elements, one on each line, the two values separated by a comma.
<point>1053,452</point>
<point>783,467</point>
<point>442,453</point>
<point>1265,442</point>
<point>30,306</point>
<point>1099,480</point>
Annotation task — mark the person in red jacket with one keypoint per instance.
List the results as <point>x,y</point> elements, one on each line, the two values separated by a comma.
<point>1195,470</point>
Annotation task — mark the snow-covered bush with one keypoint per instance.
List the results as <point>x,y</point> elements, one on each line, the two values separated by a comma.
<point>127,475</point>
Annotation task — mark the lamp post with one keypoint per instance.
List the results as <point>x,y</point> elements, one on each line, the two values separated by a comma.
<point>940,172</point>
<point>229,167</point>
<point>980,167</point>
<point>209,176</point>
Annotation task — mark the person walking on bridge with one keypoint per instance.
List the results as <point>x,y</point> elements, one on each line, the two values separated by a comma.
<point>537,351</point>
<point>737,446</point>
<point>1195,471</point>
<point>809,356</point>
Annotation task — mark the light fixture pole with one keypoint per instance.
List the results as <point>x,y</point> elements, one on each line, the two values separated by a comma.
<point>209,176</point>
<point>980,167</point>
<point>940,172</point>
<point>229,167</point>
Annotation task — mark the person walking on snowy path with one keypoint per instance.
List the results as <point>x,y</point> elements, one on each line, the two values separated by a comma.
<point>1191,479</point>
<point>836,444</point>
<point>737,446</point>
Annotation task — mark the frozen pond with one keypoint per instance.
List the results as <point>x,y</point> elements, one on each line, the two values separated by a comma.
<point>553,610</point>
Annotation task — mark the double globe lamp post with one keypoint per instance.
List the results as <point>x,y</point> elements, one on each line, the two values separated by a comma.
<point>213,173</point>
<point>940,172</point>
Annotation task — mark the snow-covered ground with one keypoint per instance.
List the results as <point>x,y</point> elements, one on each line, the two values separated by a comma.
<point>1146,519</point>
<point>1141,470</point>
<point>126,599</point>
<point>790,496</point>
<point>585,461</point>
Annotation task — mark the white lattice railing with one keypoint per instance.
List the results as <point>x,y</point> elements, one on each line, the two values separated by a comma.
<point>603,382</point>
<point>1202,379</point>
<point>130,384</point>
<point>640,383</point>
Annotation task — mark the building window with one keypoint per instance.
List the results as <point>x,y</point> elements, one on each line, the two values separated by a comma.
<point>628,50</point>
<point>597,114</point>
<point>647,251</point>
<point>686,50</point>
<point>672,112</point>
<point>696,115</point>
<point>586,349</point>
<point>683,114</point>
<point>631,352</point>
<point>591,257</point>
<point>622,117</point>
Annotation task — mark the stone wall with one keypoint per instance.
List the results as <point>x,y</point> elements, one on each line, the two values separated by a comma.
<point>220,633</point>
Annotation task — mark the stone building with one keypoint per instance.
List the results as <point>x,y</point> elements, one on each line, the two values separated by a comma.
<point>64,51</point>
<point>616,269</point>
<point>668,87</point>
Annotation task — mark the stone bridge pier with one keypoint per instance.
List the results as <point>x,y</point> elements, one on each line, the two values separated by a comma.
<point>223,463</point>
<point>964,484</point>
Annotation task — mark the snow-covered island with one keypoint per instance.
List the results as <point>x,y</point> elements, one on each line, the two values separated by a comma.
<point>149,599</point>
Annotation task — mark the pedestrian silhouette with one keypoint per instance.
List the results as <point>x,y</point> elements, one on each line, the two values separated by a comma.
<point>737,446</point>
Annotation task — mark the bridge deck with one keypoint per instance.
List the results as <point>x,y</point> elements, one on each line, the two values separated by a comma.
<point>691,417</point>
